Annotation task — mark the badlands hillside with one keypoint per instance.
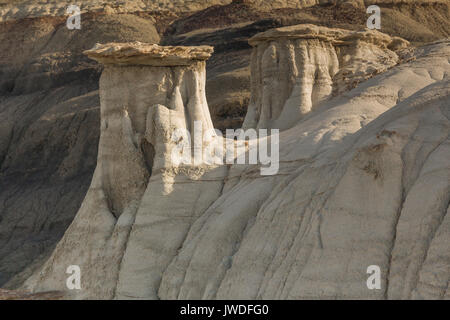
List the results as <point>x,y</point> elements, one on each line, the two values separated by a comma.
<point>363,178</point>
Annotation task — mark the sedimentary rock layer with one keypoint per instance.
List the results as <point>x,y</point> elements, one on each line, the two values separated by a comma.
<point>49,131</point>
<point>345,198</point>
<point>356,176</point>
<point>135,186</point>
<point>296,68</point>
<point>148,54</point>
<point>17,9</point>
<point>10,10</point>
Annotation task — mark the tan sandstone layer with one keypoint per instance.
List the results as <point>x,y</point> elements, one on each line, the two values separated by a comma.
<point>12,10</point>
<point>148,54</point>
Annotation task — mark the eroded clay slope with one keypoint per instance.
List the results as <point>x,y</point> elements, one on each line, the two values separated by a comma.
<point>11,10</point>
<point>49,111</point>
<point>49,104</point>
<point>343,200</point>
<point>147,92</point>
<point>356,176</point>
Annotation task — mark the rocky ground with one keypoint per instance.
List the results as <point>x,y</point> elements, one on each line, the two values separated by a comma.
<point>49,107</point>
<point>20,295</point>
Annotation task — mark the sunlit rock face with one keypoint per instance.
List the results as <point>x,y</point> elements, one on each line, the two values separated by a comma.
<point>155,90</point>
<point>363,180</point>
<point>137,197</point>
<point>296,68</point>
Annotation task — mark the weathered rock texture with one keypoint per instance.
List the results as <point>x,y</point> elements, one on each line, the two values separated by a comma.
<point>363,180</point>
<point>147,92</point>
<point>228,28</point>
<point>16,9</point>
<point>123,54</point>
<point>49,131</point>
<point>29,8</point>
<point>49,102</point>
<point>296,68</point>
<point>345,198</point>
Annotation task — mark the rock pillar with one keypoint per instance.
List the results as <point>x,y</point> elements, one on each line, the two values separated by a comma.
<point>140,205</point>
<point>294,69</point>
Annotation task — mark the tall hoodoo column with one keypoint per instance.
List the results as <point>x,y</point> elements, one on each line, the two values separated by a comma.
<point>140,205</point>
<point>156,89</point>
<point>296,68</point>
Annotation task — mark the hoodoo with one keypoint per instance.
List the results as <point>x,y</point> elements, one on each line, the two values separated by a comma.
<point>362,179</point>
<point>146,92</point>
<point>296,68</point>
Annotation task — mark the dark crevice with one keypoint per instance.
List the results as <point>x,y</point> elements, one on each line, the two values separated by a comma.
<point>148,153</point>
